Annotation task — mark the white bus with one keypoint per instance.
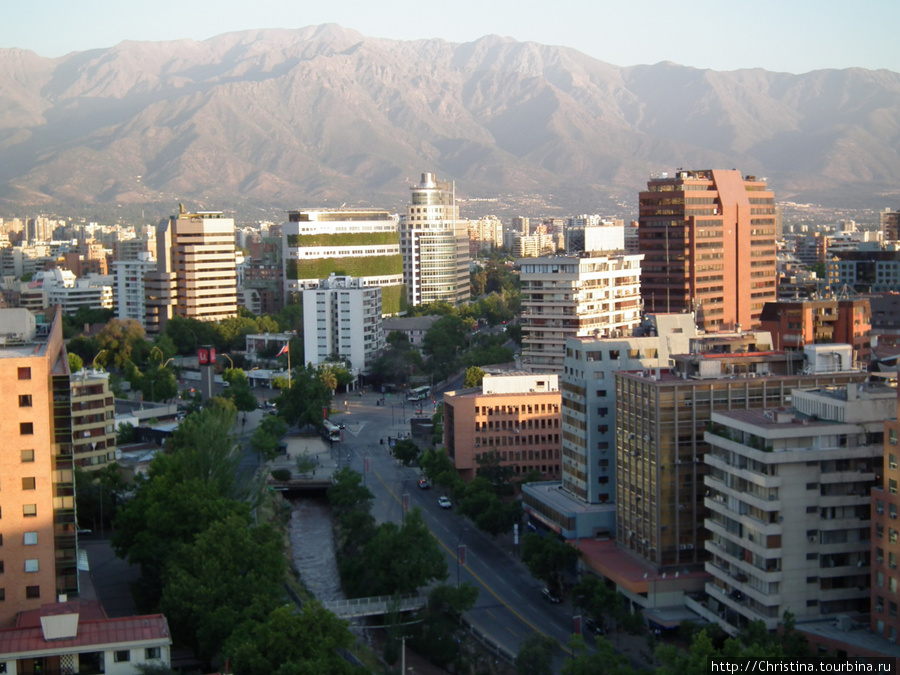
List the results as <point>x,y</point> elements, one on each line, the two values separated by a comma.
<point>331,431</point>
<point>418,394</point>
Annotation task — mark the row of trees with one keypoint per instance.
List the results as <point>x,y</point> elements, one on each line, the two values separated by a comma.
<point>217,575</point>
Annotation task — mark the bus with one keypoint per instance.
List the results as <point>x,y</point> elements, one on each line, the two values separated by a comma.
<point>418,394</point>
<point>331,431</point>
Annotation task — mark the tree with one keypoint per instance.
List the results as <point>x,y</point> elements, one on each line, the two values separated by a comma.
<point>474,376</point>
<point>406,451</point>
<point>603,661</point>
<point>498,473</point>
<point>151,527</point>
<point>204,448</point>
<point>119,338</point>
<point>490,514</point>
<point>97,493</point>
<point>547,558</point>
<point>329,379</point>
<point>536,654</point>
<point>158,384</point>
<point>266,439</point>
<point>598,600</point>
<point>239,390</point>
<point>440,470</point>
<point>213,585</point>
<point>124,433</point>
<point>443,343</point>
<point>75,362</point>
<point>399,559</point>
<point>303,402</point>
<point>289,642</point>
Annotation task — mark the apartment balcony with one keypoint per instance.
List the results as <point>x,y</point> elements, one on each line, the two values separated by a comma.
<point>743,608</point>
<point>739,580</point>
<point>768,503</point>
<point>768,576</point>
<point>762,480</point>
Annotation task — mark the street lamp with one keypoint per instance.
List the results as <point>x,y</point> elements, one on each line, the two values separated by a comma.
<point>229,360</point>
<point>94,360</point>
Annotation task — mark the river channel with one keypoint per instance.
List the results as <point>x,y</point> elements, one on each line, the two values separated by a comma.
<point>312,548</point>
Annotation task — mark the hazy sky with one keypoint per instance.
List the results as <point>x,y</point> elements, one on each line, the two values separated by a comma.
<point>781,35</point>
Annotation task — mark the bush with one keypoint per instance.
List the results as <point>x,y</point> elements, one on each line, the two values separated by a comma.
<point>281,474</point>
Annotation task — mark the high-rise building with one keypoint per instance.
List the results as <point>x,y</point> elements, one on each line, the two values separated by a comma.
<point>93,419</point>
<point>563,297</point>
<point>708,239</point>
<point>794,323</point>
<point>660,419</point>
<point>435,245</point>
<point>130,292</point>
<point>360,243</point>
<point>789,507</point>
<point>890,225</point>
<point>885,535</point>
<point>515,416</point>
<point>38,496</point>
<point>343,317</point>
<point>195,275</point>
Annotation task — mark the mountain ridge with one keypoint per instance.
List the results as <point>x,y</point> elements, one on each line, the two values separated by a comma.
<point>325,115</point>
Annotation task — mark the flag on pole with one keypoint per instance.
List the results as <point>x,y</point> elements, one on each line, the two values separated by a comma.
<point>284,350</point>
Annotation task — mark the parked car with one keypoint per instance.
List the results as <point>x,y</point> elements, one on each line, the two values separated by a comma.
<point>444,502</point>
<point>550,596</point>
<point>424,484</point>
<point>594,626</point>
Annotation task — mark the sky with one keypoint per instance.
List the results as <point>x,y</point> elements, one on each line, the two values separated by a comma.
<point>794,36</point>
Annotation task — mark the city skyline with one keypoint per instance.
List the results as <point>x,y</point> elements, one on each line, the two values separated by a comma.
<point>616,33</point>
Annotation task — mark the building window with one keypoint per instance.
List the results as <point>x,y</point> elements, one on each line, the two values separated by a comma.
<point>152,653</point>
<point>30,539</point>
<point>892,460</point>
<point>29,510</point>
<point>28,455</point>
<point>31,565</point>
<point>2,594</point>
<point>28,483</point>
<point>32,592</point>
<point>892,486</point>
<point>122,656</point>
<point>24,400</point>
<point>24,373</point>
<point>26,428</point>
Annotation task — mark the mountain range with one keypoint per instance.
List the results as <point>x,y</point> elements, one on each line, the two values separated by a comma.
<point>323,115</point>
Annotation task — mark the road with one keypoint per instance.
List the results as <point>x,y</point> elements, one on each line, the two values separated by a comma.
<point>510,606</point>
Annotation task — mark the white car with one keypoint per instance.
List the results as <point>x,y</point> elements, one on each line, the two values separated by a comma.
<point>444,503</point>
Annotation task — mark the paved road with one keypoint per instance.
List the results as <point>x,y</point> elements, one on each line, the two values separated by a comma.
<point>510,607</point>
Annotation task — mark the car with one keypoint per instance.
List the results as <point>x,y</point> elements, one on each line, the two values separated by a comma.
<point>444,503</point>
<point>424,484</point>
<point>593,626</point>
<point>550,596</point>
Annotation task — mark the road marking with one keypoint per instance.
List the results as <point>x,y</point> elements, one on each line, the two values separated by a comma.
<point>475,576</point>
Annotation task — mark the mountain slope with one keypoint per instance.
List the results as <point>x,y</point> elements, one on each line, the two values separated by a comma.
<point>325,115</point>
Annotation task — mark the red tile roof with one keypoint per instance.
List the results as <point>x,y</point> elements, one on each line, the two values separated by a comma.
<point>28,636</point>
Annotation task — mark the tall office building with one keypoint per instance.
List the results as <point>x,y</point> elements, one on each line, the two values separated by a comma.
<point>359,243</point>
<point>708,239</point>
<point>195,276</point>
<point>562,297</point>
<point>435,245</point>
<point>885,535</point>
<point>38,496</point>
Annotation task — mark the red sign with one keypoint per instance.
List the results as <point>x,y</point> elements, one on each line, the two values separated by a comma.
<point>212,354</point>
<point>203,356</point>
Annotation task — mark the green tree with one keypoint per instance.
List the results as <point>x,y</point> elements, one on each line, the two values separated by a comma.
<point>440,470</point>
<point>150,528</point>
<point>124,433</point>
<point>474,376</point>
<point>96,494</point>
<point>498,473</point>
<point>547,558</point>
<point>291,643</point>
<point>75,362</point>
<point>347,492</point>
<point>406,451</point>
<point>444,342</point>
<point>204,447</point>
<point>158,384</point>
<point>303,402</point>
<point>239,390</point>
<point>536,654</point>
<point>266,439</point>
<point>214,584</point>
<point>603,661</point>
<point>119,338</point>
<point>490,514</point>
